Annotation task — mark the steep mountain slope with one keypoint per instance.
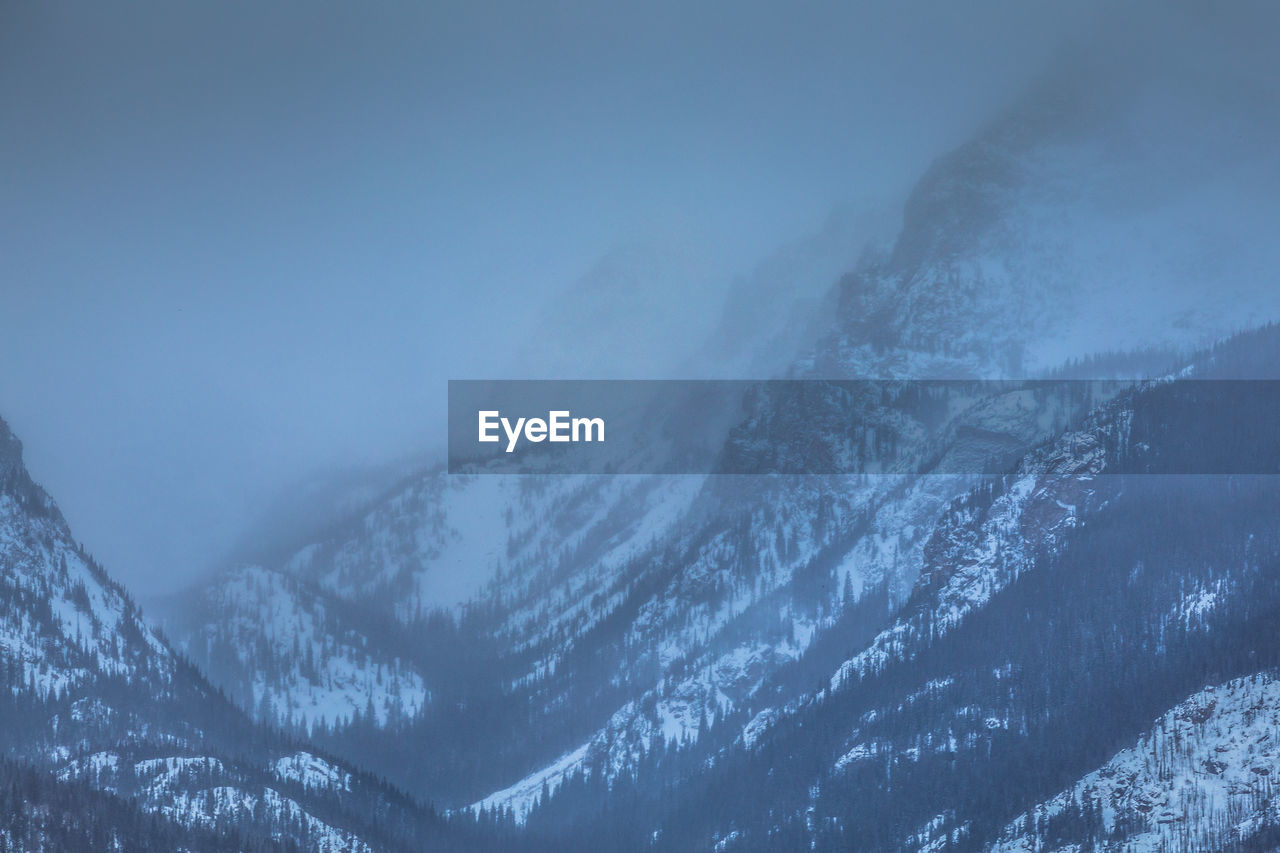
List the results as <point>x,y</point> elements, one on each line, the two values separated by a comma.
<point>316,662</point>
<point>1201,777</point>
<point>93,695</point>
<point>1078,223</point>
<point>1059,610</point>
<point>473,583</point>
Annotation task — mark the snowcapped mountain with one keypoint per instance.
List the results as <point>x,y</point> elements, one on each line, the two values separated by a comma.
<point>95,697</point>
<point>68,623</point>
<point>438,561</point>
<point>1077,224</point>
<point>855,662</point>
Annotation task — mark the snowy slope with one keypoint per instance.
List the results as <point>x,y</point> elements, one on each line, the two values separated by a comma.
<point>311,660</point>
<point>67,622</point>
<point>1049,606</point>
<point>1203,775</point>
<point>93,694</point>
<point>1070,226</point>
<point>740,605</point>
<point>1077,223</point>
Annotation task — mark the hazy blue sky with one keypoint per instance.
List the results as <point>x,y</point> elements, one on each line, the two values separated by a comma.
<point>241,241</point>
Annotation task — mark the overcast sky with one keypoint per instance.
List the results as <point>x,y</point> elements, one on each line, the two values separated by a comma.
<point>244,241</point>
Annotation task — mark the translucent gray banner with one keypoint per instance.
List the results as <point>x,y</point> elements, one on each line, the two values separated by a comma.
<point>857,426</point>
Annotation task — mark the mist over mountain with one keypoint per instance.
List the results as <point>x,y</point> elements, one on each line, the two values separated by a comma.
<point>626,318</point>
<point>1073,653</point>
<point>665,625</point>
<point>251,243</point>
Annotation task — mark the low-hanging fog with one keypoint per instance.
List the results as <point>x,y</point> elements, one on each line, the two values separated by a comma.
<point>243,243</point>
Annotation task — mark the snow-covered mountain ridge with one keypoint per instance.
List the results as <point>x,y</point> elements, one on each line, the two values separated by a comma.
<point>1057,611</point>
<point>93,694</point>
